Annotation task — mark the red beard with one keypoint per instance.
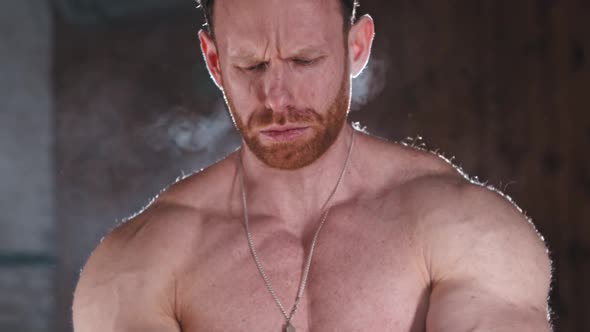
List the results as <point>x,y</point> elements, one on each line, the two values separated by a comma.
<point>298,154</point>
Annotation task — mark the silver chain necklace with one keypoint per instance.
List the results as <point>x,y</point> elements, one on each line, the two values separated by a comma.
<point>288,327</point>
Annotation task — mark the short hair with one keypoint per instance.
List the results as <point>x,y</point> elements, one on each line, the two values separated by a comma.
<point>348,13</point>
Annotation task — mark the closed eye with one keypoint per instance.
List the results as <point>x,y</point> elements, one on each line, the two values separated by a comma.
<point>257,67</point>
<point>303,62</point>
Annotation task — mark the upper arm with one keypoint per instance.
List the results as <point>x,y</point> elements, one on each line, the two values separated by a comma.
<point>489,268</point>
<point>122,288</point>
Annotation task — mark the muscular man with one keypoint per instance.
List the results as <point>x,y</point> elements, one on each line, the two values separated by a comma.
<point>401,240</point>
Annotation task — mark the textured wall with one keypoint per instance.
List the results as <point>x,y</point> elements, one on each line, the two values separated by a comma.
<point>103,11</point>
<point>26,167</point>
<point>501,85</point>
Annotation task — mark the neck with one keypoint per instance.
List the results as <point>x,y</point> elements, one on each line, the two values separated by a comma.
<point>294,196</point>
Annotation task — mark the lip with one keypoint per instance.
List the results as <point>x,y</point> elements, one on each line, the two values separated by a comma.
<point>283,134</point>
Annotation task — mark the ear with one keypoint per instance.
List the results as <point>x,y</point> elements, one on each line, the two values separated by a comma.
<point>360,40</point>
<point>211,57</point>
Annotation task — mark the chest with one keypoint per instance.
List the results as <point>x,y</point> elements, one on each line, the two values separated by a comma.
<point>366,273</point>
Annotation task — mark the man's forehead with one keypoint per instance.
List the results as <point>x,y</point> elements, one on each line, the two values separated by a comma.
<point>308,24</point>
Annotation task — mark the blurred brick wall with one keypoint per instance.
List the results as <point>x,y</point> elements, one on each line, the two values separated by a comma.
<point>27,243</point>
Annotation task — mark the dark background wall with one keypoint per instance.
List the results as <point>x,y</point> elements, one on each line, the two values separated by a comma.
<point>503,86</point>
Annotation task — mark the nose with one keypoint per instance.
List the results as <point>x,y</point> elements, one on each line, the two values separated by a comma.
<point>278,88</point>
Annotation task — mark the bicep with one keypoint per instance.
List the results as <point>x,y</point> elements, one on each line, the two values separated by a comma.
<point>463,306</point>
<point>490,271</point>
<point>117,306</point>
<point>114,295</point>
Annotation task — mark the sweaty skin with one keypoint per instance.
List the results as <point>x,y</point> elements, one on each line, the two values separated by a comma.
<point>409,245</point>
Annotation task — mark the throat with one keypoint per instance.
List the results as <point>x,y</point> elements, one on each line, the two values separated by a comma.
<point>302,193</point>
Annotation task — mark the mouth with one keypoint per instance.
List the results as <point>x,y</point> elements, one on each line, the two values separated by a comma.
<point>283,134</point>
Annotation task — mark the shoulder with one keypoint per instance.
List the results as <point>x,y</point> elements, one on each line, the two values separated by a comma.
<point>142,258</point>
<point>439,190</point>
<point>173,219</point>
<point>452,205</point>
<point>476,245</point>
<point>389,166</point>
<point>133,272</point>
<point>156,232</point>
<point>455,218</point>
<point>170,222</point>
<point>153,236</point>
<point>470,230</point>
<point>205,188</point>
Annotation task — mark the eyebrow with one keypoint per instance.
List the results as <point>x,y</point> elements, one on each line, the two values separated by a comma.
<point>248,55</point>
<point>309,51</point>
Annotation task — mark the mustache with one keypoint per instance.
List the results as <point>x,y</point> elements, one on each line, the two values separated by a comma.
<point>266,117</point>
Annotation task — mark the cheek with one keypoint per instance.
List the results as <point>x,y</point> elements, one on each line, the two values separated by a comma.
<point>323,87</point>
<point>244,93</point>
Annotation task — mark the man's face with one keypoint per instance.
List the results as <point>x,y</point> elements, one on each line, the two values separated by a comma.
<point>285,76</point>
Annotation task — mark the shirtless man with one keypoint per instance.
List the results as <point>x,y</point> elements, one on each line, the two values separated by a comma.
<point>408,244</point>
